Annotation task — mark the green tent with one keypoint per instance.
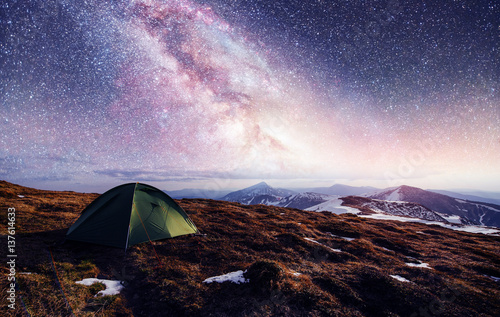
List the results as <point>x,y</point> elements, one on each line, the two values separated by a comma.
<point>130,214</point>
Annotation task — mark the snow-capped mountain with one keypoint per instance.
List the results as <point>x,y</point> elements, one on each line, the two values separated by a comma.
<point>476,212</point>
<point>261,193</point>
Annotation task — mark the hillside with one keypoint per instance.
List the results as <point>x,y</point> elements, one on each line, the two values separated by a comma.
<point>476,212</point>
<point>297,263</point>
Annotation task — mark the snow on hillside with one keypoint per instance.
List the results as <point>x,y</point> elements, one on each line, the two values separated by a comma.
<point>112,287</point>
<point>399,208</point>
<point>400,278</point>
<point>452,219</point>
<point>379,193</point>
<point>237,277</point>
<point>334,205</point>
<point>470,229</point>
<point>395,195</point>
<point>314,241</point>
<point>471,212</point>
<point>389,194</point>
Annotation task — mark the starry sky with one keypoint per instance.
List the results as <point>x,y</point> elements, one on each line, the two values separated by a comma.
<point>221,94</point>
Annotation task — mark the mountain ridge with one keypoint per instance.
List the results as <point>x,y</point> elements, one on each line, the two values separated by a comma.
<point>432,206</point>
<point>260,193</point>
<point>469,197</point>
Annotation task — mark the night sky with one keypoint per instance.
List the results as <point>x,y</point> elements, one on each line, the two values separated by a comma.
<point>219,94</point>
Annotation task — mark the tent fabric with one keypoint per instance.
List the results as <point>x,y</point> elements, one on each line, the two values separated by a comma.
<point>130,214</point>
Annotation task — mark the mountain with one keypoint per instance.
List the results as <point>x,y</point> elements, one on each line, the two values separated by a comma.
<point>366,206</point>
<point>342,190</point>
<point>396,208</point>
<point>337,189</point>
<point>303,200</point>
<point>260,193</point>
<point>471,197</point>
<point>480,193</point>
<point>288,262</point>
<point>477,212</point>
<point>335,205</point>
<point>197,193</point>
<point>402,201</point>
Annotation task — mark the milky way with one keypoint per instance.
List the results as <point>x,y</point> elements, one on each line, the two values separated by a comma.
<point>182,92</point>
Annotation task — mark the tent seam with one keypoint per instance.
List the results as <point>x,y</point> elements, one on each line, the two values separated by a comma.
<point>130,216</point>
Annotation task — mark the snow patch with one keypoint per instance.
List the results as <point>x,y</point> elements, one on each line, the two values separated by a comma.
<point>388,250</point>
<point>112,287</point>
<point>314,241</point>
<point>420,265</point>
<point>20,196</point>
<point>333,205</point>
<point>487,207</point>
<point>233,277</point>
<point>475,229</point>
<point>394,196</point>
<point>481,218</point>
<point>345,238</point>
<point>496,279</point>
<point>452,219</point>
<point>400,278</point>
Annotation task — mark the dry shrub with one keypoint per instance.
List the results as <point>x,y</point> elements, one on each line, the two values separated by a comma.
<point>264,275</point>
<point>341,228</point>
<point>96,288</point>
<point>396,245</point>
<point>338,288</point>
<point>291,240</point>
<point>485,269</point>
<point>384,296</point>
<point>360,247</point>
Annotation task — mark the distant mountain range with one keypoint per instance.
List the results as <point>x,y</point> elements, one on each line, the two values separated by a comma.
<point>403,201</point>
<point>340,190</point>
<point>484,197</point>
<point>197,193</point>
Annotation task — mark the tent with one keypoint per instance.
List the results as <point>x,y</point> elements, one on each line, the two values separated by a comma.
<point>130,214</point>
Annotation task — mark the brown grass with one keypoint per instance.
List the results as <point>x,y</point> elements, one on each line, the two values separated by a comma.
<point>270,243</point>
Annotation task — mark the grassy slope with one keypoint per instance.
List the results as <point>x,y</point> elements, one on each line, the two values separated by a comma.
<point>165,279</point>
